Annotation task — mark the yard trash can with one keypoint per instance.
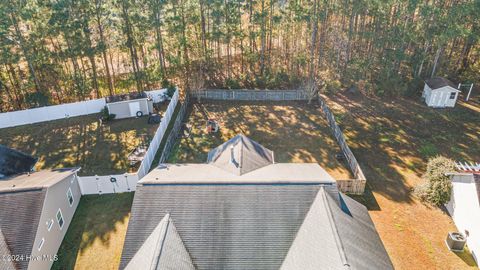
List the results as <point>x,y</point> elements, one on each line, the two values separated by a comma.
<point>455,241</point>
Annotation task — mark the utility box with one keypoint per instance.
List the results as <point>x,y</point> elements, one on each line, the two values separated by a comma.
<point>455,241</point>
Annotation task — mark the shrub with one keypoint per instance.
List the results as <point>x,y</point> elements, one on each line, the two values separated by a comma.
<point>106,115</point>
<point>437,187</point>
<point>171,90</point>
<point>231,83</point>
<point>428,149</point>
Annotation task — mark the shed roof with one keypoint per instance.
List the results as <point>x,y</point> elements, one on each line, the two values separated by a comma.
<point>14,162</point>
<point>261,226</point>
<point>439,82</point>
<point>125,97</point>
<point>240,155</point>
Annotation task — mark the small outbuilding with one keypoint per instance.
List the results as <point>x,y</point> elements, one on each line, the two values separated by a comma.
<point>129,105</point>
<point>440,93</point>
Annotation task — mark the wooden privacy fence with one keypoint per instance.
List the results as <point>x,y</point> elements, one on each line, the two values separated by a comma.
<point>252,95</point>
<point>354,186</point>
<point>102,184</point>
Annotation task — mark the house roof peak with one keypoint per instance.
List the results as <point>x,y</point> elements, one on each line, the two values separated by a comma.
<point>240,155</point>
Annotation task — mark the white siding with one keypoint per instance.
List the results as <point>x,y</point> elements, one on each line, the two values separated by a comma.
<point>464,208</point>
<point>440,98</point>
<point>121,109</point>
<point>56,198</point>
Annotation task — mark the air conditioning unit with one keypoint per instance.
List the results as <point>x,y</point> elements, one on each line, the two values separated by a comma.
<point>455,241</point>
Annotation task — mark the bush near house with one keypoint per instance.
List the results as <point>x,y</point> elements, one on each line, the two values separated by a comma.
<point>437,188</point>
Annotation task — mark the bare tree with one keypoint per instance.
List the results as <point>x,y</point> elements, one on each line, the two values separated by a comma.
<point>196,84</point>
<point>311,87</point>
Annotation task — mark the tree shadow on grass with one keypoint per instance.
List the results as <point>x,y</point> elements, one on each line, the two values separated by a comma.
<point>80,141</point>
<point>393,138</point>
<point>95,219</point>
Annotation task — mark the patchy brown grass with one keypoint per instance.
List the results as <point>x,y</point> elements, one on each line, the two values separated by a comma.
<point>393,139</point>
<point>81,141</point>
<point>296,132</point>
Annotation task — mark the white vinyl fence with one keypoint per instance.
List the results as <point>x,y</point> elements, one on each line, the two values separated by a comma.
<point>48,113</point>
<point>55,112</point>
<point>127,182</point>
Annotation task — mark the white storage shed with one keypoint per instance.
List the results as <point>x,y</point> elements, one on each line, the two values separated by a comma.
<point>129,105</point>
<point>440,93</point>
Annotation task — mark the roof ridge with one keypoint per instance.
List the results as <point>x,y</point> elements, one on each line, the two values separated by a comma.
<point>160,242</point>
<point>336,234</point>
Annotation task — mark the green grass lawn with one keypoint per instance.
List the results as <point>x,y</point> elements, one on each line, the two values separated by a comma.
<point>81,141</point>
<point>295,131</point>
<point>95,237</point>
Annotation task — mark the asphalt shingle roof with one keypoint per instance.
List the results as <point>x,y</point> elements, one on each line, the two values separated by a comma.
<point>240,155</point>
<point>5,262</point>
<point>439,82</point>
<point>19,216</point>
<point>253,226</point>
<point>163,249</point>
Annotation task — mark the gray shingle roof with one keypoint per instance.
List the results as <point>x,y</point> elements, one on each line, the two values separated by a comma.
<point>19,216</point>
<point>253,226</point>
<point>439,82</point>
<point>240,155</point>
<point>162,250</point>
<point>5,263</point>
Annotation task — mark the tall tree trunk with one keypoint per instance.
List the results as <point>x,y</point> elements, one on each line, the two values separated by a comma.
<point>26,54</point>
<point>98,4</point>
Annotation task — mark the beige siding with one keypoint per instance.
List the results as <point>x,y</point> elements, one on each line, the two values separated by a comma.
<point>56,198</point>
<point>122,109</point>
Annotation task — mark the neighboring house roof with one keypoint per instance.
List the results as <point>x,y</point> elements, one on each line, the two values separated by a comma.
<point>126,97</point>
<point>439,82</point>
<point>21,203</point>
<point>35,180</point>
<point>14,162</point>
<point>19,216</point>
<point>255,226</point>
<point>240,155</point>
<point>5,253</point>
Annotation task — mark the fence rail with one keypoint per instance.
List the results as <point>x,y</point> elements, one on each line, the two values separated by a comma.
<point>357,185</point>
<point>127,182</point>
<point>354,186</point>
<point>257,95</point>
<point>172,137</point>
<point>55,112</point>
